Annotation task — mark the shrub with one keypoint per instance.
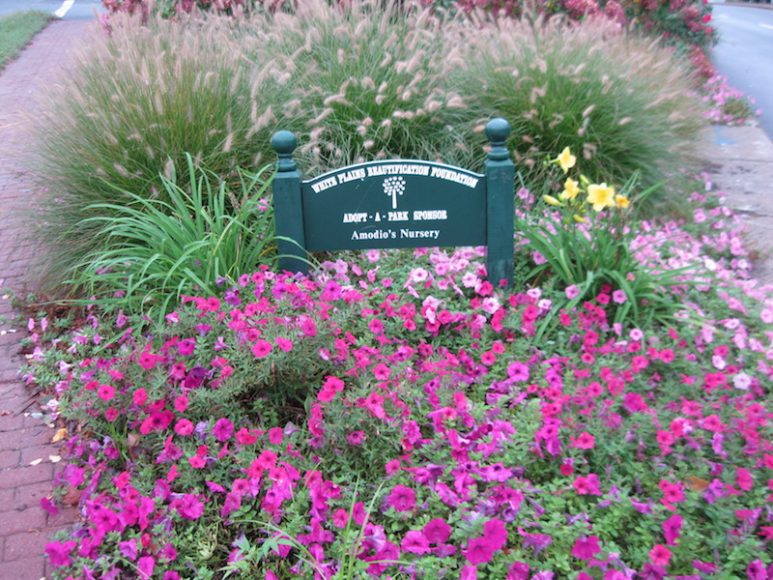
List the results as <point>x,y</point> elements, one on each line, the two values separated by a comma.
<point>365,82</point>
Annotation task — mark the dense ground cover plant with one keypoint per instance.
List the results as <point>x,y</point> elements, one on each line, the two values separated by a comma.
<point>403,420</point>
<point>729,106</point>
<point>355,84</point>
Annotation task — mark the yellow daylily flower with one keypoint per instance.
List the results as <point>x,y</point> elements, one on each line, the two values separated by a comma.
<point>549,199</point>
<point>566,160</point>
<point>571,189</point>
<point>601,196</point>
<point>622,202</point>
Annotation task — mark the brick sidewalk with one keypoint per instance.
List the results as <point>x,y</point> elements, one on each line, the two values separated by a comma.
<point>24,526</point>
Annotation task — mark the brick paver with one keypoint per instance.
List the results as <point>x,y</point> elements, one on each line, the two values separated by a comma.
<point>24,526</point>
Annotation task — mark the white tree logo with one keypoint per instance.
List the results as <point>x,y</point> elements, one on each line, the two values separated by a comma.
<point>394,186</point>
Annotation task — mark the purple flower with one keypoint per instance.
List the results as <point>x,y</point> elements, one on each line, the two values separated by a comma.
<point>128,549</point>
<point>586,548</point>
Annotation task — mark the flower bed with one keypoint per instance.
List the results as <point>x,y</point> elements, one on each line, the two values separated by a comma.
<point>404,421</point>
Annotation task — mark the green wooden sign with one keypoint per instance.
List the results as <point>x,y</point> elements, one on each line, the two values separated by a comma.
<point>397,204</point>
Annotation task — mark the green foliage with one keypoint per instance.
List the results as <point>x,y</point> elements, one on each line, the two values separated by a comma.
<point>150,251</point>
<point>17,29</point>
<point>587,250</point>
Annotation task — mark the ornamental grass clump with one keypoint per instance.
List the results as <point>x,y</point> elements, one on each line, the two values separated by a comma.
<point>138,100</point>
<point>366,82</point>
<point>619,100</point>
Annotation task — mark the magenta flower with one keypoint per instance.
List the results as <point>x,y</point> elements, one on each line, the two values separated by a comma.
<point>437,531</point>
<point>148,360</point>
<point>495,532</point>
<point>356,438</point>
<point>660,555</point>
<point>586,548</point>
<point>183,427</point>
<point>415,542</point>
<point>587,485</point>
<point>223,429</point>
<point>331,387</point>
<point>188,506</point>
<point>340,518</point>
<point>479,551</point>
<point>284,344</point>
<point>671,529</point>
<point>619,297</point>
<point>518,372</point>
<point>262,349</point>
<point>145,566</point>
<point>756,571</point>
<point>401,498</point>
<point>584,441</point>
<point>518,571</point>
<point>381,372</point>
<point>106,392</point>
<point>59,553</point>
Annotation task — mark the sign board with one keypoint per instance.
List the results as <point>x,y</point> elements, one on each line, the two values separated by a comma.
<point>397,204</point>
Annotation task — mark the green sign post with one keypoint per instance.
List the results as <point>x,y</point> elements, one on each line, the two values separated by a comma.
<point>397,204</point>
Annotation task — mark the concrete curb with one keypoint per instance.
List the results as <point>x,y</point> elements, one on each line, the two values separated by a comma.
<point>739,161</point>
<point>745,4</point>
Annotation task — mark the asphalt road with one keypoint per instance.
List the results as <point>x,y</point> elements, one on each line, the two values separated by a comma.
<point>80,9</point>
<point>745,54</point>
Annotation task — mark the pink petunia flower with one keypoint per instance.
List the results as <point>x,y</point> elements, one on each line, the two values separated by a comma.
<point>660,555</point>
<point>584,441</point>
<point>59,553</point>
<point>401,498</point>
<point>437,531</point>
<point>223,429</point>
<point>106,392</point>
<point>586,548</point>
<point>479,551</point>
<point>415,542</point>
<point>672,528</point>
<point>587,485</point>
<point>262,349</point>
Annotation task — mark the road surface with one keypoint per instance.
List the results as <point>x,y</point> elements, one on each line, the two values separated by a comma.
<point>745,54</point>
<point>72,10</point>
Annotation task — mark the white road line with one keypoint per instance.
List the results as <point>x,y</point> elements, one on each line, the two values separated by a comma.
<point>64,8</point>
<point>768,26</point>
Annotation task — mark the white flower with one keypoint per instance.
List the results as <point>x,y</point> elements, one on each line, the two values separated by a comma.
<point>742,381</point>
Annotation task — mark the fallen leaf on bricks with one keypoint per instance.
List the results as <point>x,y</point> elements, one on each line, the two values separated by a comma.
<point>59,435</point>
